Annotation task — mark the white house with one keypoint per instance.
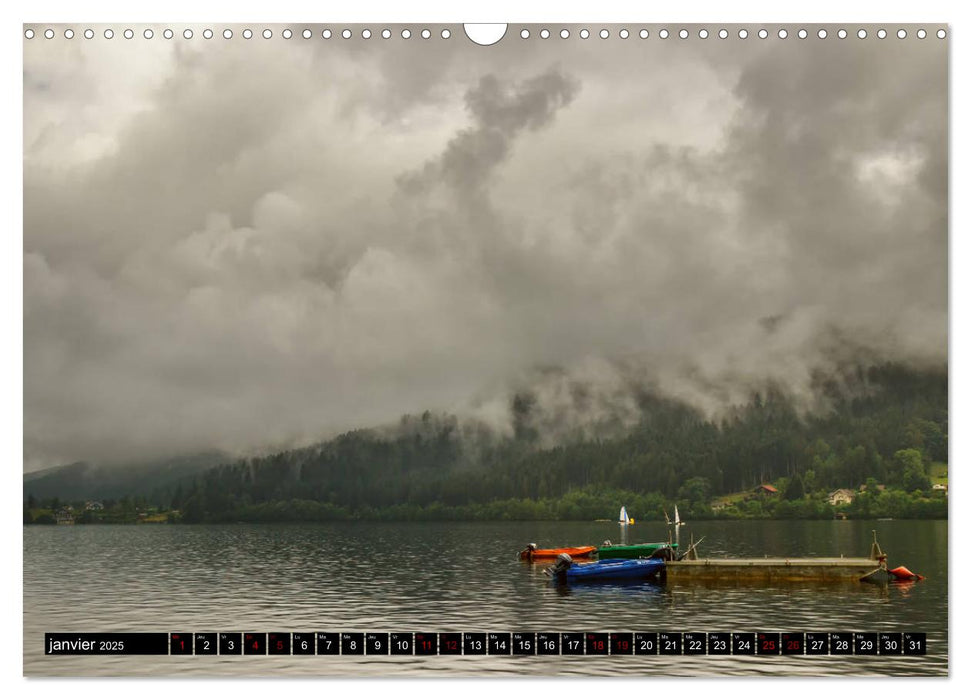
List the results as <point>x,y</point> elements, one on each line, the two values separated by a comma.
<point>840,497</point>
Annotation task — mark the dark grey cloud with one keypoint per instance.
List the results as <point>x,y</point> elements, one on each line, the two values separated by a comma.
<point>248,245</point>
<point>500,113</point>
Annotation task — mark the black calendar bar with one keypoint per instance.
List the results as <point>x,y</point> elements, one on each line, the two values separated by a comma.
<point>768,645</point>
<point>106,644</point>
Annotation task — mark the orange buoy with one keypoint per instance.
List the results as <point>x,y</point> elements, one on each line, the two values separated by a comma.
<point>902,573</point>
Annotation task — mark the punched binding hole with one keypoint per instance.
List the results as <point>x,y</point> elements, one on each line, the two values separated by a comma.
<point>487,34</point>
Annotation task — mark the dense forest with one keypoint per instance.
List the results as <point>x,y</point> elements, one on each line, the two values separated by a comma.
<point>883,425</point>
<point>880,432</point>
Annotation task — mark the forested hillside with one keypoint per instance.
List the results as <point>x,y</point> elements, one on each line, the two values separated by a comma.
<point>885,424</point>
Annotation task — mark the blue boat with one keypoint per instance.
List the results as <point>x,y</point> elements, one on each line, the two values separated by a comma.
<point>566,571</point>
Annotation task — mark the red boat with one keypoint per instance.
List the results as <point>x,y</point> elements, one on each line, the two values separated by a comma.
<point>531,552</point>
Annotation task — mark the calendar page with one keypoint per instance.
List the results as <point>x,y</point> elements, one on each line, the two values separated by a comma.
<point>444,350</point>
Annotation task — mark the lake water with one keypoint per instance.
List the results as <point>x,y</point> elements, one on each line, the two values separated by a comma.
<point>459,577</point>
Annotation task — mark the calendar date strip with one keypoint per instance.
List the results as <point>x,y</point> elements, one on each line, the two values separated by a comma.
<point>486,643</point>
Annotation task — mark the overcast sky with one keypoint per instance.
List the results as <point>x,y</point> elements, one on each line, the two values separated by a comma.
<point>243,244</point>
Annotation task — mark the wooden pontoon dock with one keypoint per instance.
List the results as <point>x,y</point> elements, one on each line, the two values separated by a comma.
<point>695,568</point>
<point>771,569</point>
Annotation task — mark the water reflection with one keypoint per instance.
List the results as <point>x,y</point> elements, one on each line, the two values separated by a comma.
<point>613,592</point>
<point>456,577</point>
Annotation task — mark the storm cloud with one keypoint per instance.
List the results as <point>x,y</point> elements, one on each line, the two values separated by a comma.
<point>242,245</point>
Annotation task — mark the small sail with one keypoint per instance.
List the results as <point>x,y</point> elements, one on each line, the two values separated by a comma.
<point>677,518</point>
<point>623,515</point>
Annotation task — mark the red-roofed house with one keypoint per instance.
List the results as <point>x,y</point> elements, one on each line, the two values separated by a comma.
<point>766,489</point>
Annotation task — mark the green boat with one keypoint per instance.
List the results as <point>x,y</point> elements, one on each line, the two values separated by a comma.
<point>630,551</point>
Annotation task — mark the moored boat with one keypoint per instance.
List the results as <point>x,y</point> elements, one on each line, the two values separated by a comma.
<point>643,550</point>
<point>567,571</point>
<point>532,552</point>
<point>677,522</point>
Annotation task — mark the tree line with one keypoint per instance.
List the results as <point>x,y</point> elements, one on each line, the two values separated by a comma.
<point>886,424</point>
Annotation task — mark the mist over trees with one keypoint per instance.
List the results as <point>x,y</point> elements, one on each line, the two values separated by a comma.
<point>884,427</point>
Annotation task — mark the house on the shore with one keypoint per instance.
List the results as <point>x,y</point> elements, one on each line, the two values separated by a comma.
<point>766,490</point>
<point>65,516</point>
<point>841,497</point>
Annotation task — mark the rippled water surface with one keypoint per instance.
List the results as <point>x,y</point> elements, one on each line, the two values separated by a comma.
<point>454,577</point>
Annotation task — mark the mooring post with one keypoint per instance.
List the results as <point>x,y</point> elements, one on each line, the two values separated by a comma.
<point>875,551</point>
